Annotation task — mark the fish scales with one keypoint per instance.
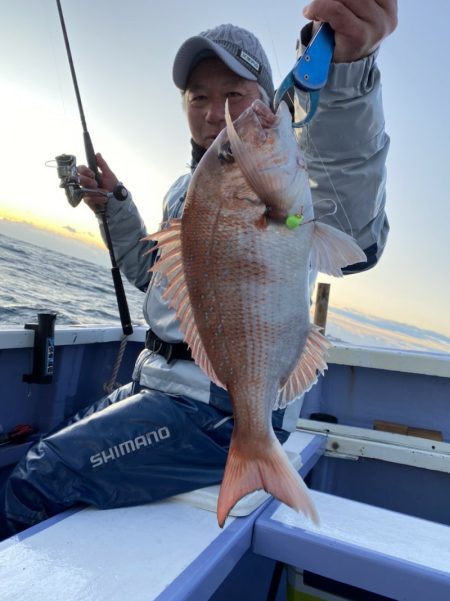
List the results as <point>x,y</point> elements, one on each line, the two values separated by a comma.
<point>244,306</point>
<point>245,285</point>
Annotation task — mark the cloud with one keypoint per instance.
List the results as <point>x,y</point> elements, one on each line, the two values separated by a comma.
<point>69,244</point>
<point>9,219</point>
<point>77,232</point>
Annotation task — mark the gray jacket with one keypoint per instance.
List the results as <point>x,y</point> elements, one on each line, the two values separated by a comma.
<point>345,147</point>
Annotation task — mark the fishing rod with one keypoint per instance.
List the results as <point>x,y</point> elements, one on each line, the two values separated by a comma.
<point>70,181</point>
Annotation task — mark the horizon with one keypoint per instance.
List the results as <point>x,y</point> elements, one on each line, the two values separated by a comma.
<point>344,323</point>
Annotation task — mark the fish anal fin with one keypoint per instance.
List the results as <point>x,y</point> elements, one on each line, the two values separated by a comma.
<point>333,249</point>
<point>305,374</point>
<point>266,468</point>
<point>170,264</point>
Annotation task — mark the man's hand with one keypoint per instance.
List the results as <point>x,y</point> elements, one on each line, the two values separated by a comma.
<point>359,25</point>
<point>87,180</point>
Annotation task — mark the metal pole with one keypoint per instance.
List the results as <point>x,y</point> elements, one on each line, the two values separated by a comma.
<point>321,310</point>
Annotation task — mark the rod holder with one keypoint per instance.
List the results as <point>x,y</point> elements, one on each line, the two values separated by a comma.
<point>43,349</point>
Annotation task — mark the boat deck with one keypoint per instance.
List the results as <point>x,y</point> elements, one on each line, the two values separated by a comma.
<point>382,496</point>
<point>175,551</point>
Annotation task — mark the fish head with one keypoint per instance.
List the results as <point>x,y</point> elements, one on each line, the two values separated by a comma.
<point>219,177</point>
<point>264,148</point>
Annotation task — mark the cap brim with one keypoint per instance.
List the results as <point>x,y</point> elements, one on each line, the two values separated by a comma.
<point>188,56</point>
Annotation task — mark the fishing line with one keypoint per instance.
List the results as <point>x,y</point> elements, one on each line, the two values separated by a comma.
<point>90,154</point>
<point>292,96</point>
<point>52,45</point>
<point>274,50</point>
<point>338,200</point>
<point>333,202</point>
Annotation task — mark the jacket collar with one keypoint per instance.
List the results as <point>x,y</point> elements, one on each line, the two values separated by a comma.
<point>197,153</point>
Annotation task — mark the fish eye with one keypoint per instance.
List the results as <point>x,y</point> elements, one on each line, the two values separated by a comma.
<point>225,153</point>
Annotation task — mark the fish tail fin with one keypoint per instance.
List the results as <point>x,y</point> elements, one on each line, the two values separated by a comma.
<point>267,468</point>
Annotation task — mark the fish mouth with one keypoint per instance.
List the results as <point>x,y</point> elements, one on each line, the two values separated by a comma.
<point>265,115</point>
<point>225,154</point>
<point>257,124</point>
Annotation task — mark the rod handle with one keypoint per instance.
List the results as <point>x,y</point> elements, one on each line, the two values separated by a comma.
<point>122,302</point>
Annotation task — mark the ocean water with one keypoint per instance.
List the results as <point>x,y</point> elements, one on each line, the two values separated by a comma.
<point>34,280</point>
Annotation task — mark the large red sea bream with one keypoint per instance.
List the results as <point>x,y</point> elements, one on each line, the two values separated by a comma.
<point>237,266</point>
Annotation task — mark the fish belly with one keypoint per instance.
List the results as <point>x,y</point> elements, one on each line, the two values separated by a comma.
<point>248,288</point>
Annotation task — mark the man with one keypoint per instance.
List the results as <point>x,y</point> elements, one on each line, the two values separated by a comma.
<point>171,429</point>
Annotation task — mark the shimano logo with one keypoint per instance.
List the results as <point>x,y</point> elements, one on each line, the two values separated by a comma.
<point>129,446</point>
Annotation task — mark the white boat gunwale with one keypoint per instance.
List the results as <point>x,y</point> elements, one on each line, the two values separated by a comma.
<point>341,353</point>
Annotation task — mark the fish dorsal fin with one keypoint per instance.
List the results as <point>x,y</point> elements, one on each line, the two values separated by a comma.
<point>304,375</point>
<point>332,249</point>
<point>170,264</point>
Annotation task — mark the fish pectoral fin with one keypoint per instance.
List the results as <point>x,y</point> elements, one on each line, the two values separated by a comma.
<point>268,469</point>
<point>168,230</point>
<point>332,250</point>
<point>305,374</point>
<point>170,264</point>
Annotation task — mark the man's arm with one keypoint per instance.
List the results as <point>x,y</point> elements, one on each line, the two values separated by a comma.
<point>345,144</point>
<point>125,225</point>
<point>127,231</point>
<point>345,148</point>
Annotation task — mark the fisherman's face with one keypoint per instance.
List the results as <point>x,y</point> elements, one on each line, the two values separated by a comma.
<point>210,84</point>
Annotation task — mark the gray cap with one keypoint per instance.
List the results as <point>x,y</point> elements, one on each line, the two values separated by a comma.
<point>238,48</point>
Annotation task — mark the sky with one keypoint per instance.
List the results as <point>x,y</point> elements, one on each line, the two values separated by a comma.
<point>123,53</point>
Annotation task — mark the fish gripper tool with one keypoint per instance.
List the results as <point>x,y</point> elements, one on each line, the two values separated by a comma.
<point>310,72</point>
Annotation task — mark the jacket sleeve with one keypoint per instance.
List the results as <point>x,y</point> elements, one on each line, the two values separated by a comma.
<point>346,147</point>
<point>127,230</point>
